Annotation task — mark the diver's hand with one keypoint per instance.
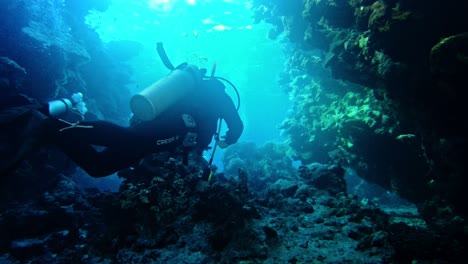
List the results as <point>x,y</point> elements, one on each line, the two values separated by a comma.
<point>222,144</point>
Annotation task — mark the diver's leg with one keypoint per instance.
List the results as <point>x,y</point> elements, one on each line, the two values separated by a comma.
<point>101,163</point>
<point>101,133</point>
<point>123,147</point>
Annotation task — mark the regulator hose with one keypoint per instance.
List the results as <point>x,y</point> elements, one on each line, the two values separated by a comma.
<point>163,56</point>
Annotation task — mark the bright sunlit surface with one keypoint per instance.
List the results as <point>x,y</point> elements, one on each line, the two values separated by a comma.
<point>202,32</point>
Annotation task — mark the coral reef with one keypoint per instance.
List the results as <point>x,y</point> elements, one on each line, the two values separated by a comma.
<point>398,110</point>
<point>12,76</point>
<point>268,163</point>
<point>61,37</point>
<point>391,108</point>
<point>165,212</point>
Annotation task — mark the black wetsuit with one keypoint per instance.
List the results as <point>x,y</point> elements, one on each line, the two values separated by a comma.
<point>125,146</point>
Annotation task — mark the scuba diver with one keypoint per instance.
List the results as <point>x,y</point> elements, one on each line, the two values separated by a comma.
<point>179,113</point>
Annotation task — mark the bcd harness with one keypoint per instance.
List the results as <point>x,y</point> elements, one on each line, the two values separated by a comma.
<point>190,137</point>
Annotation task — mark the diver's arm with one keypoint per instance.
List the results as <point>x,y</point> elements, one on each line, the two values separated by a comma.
<point>233,121</point>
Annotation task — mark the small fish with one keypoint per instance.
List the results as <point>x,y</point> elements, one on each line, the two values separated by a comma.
<point>403,137</point>
<point>221,28</point>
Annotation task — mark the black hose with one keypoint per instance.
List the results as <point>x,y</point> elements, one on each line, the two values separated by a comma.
<point>168,64</point>
<point>235,89</point>
<point>163,56</point>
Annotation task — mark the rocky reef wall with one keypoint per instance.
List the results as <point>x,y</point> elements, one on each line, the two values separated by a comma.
<point>377,85</point>
<point>60,55</point>
<point>166,212</point>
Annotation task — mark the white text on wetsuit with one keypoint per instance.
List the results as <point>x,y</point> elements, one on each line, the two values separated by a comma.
<point>166,141</point>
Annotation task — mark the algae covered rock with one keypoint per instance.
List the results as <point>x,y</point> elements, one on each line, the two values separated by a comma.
<point>323,177</point>
<point>264,164</point>
<point>11,76</point>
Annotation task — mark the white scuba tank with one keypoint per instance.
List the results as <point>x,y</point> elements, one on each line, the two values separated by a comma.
<point>152,101</point>
<point>59,106</point>
<point>63,105</point>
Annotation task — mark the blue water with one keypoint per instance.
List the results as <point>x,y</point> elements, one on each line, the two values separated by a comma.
<point>47,38</point>
<point>201,33</point>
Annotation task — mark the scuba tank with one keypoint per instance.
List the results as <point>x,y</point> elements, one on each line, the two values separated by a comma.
<point>152,101</point>
<point>183,79</point>
<point>59,106</point>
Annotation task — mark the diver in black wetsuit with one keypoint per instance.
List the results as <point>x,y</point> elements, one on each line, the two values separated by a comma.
<point>189,124</point>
